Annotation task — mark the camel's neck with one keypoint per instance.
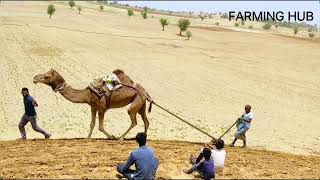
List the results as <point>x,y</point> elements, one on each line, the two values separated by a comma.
<point>75,95</point>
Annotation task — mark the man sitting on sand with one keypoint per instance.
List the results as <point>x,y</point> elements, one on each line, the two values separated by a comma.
<point>243,126</point>
<point>218,155</point>
<point>30,115</point>
<point>144,160</point>
<point>204,167</point>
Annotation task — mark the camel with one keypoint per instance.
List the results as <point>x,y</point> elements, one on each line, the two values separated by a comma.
<point>136,97</point>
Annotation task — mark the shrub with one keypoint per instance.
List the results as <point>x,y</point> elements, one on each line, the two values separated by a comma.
<point>51,9</point>
<point>144,14</point>
<point>202,18</point>
<point>243,23</point>
<point>101,7</point>
<point>250,27</point>
<point>217,23</point>
<point>164,22</point>
<point>309,30</point>
<point>189,34</point>
<point>236,24</point>
<point>183,24</point>
<point>276,26</point>
<point>72,4</point>
<point>295,30</point>
<point>266,26</point>
<point>311,35</point>
<point>79,9</point>
<point>145,8</point>
<point>130,12</point>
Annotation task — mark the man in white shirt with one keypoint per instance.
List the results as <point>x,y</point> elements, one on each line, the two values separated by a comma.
<point>218,155</point>
<point>243,126</point>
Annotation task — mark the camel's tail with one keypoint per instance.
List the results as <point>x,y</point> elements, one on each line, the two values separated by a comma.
<point>151,102</point>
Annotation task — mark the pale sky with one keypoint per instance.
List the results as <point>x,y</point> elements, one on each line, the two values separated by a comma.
<point>225,6</point>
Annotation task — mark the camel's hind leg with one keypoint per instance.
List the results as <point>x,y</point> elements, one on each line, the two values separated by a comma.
<point>93,120</point>
<point>142,112</point>
<point>132,111</point>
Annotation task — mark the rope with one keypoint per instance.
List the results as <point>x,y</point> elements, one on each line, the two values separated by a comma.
<point>228,130</point>
<point>181,119</point>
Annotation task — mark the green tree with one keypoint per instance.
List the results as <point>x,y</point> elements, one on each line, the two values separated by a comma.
<point>164,22</point>
<point>202,18</point>
<point>79,9</point>
<point>236,24</point>
<point>189,34</point>
<point>311,35</point>
<point>295,30</point>
<point>145,8</point>
<point>144,14</point>
<point>72,4</point>
<point>266,26</point>
<point>183,24</point>
<point>130,12</point>
<point>101,7</point>
<point>51,9</point>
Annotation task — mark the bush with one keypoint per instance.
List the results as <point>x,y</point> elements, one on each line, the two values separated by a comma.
<point>101,7</point>
<point>217,23</point>
<point>189,34</point>
<point>224,15</point>
<point>250,27</point>
<point>236,24</point>
<point>266,26</point>
<point>202,18</point>
<point>295,30</point>
<point>79,9</point>
<point>130,12</point>
<point>183,24</point>
<point>164,22</point>
<point>276,26</point>
<point>144,14</point>
<point>72,4</point>
<point>311,35</point>
<point>145,8</point>
<point>243,23</point>
<point>309,30</point>
<point>51,9</point>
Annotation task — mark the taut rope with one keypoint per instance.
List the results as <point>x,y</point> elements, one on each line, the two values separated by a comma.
<point>181,119</point>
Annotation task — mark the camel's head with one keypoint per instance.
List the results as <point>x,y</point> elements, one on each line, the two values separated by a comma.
<point>51,78</point>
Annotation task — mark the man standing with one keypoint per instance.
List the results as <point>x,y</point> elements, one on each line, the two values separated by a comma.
<point>243,126</point>
<point>144,160</point>
<point>30,115</point>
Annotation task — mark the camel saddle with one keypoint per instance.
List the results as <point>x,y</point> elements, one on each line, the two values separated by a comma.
<point>99,87</point>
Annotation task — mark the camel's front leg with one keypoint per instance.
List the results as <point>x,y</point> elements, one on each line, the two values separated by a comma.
<point>133,117</point>
<point>93,120</point>
<point>101,127</point>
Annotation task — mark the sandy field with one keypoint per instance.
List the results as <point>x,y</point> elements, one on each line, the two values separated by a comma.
<point>82,158</point>
<point>206,80</point>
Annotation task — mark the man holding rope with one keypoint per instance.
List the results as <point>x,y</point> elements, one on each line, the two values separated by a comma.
<point>243,125</point>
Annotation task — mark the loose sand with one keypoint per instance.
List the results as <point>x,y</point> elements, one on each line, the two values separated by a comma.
<point>98,159</point>
<point>206,80</point>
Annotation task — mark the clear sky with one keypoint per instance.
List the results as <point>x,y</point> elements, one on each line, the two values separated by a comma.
<point>225,6</point>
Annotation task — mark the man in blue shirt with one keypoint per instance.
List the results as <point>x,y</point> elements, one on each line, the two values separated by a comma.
<point>144,160</point>
<point>30,115</point>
